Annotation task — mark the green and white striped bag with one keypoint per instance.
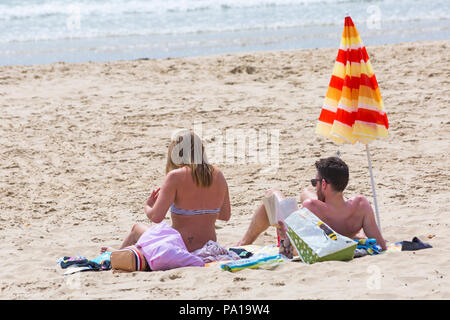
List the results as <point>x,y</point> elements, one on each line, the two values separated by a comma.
<point>315,241</point>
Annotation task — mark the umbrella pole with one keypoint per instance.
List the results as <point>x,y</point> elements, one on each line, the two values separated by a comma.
<point>373,186</point>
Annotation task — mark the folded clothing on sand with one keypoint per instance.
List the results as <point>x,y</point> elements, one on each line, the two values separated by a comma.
<point>212,251</point>
<point>242,253</point>
<point>415,244</point>
<point>66,261</point>
<point>257,261</point>
<point>366,247</point>
<point>246,252</point>
<point>100,263</point>
<point>370,246</point>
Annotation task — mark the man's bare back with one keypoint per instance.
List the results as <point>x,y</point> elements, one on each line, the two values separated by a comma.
<point>354,218</point>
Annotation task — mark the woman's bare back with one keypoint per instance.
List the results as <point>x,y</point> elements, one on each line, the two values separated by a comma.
<point>189,196</point>
<point>197,229</point>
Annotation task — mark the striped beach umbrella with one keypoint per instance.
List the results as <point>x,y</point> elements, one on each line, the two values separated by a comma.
<point>353,106</point>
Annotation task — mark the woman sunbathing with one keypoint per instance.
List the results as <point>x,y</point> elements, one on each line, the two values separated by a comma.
<point>195,192</point>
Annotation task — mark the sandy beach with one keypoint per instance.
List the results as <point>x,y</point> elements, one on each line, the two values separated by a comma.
<point>82,145</point>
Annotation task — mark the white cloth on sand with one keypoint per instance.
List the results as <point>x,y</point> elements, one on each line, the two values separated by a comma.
<point>212,251</point>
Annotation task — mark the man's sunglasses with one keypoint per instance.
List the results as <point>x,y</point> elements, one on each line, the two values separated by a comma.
<point>314,181</point>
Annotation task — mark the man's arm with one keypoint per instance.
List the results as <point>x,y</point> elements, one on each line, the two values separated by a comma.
<point>369,224</point>
<point>318,208</point>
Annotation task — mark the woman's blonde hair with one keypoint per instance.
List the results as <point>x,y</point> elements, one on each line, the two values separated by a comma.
<point>187,150</point>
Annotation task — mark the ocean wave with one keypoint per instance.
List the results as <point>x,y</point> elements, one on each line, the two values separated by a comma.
<point>38,8</point>
<point>44,20</point>
<point>46,35</point>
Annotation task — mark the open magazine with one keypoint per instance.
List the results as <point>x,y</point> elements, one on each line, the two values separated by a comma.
<point>279,209</point>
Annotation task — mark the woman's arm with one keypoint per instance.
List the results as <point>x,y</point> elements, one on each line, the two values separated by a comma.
<point>162,200</point>
<point>225,210</point>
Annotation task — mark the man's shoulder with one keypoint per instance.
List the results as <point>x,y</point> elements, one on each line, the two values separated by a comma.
<point>359,202</point>
<point>318,208</point>
<point>313,204</point>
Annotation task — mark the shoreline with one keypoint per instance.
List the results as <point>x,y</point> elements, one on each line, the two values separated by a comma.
<point>218,55</point>
<point>232,51</point>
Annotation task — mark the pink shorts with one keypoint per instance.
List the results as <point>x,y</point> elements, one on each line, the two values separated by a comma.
<point>164,249</point>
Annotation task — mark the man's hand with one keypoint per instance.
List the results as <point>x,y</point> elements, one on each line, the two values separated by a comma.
<point>153,197</point>
<point>282,229</point>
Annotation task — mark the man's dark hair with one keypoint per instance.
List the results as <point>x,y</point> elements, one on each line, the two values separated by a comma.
<point>334,171</point>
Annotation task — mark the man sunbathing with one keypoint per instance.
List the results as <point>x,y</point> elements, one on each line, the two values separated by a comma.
<point>353,218</point>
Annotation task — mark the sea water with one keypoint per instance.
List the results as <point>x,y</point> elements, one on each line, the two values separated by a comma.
<point>45,31</point>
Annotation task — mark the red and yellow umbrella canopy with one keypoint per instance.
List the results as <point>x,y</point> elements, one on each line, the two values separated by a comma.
<point>353,107</point>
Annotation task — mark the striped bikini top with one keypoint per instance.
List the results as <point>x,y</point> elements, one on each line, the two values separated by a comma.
<point>176,210</point>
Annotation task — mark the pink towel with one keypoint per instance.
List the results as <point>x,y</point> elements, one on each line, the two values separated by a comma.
<point>164,249</point>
